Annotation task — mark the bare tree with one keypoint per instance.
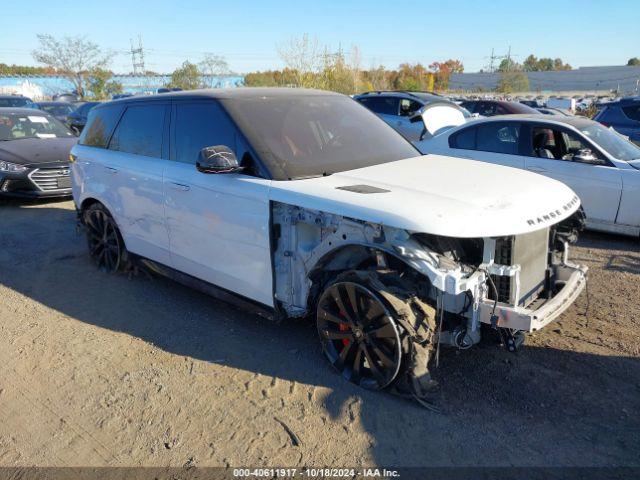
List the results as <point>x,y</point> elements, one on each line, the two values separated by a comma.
<point>303,57</point>
<point>214,66</point>
<point>73,57</point>
<point>355,65</point>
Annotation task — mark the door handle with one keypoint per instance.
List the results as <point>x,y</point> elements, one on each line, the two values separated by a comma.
<point>537,169</point>
<point>180,186</point>
<point>112,170</point>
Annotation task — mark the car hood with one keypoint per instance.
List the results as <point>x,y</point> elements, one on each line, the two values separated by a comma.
<point>438,195</point>
<point>37,151</point>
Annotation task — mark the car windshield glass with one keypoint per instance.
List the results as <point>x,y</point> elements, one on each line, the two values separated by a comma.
<point>57,109</point>
<point>313,135</point>
<point>13,102</point>
<point>17,126</point>
<point>612,142</point>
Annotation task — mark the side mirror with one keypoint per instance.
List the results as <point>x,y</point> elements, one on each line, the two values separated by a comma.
<point>585,155</point>
<point>217,159</point>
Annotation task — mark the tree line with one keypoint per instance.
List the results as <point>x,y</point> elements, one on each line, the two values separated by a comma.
<point>306,64</point>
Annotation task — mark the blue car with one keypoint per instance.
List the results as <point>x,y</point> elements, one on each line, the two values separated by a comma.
<point>398,107</point>
<point>623,115</point>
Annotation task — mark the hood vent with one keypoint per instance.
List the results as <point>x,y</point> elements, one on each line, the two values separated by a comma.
<point>363,189</point>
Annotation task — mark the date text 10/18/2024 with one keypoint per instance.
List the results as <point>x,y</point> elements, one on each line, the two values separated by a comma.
<point>315,473</point>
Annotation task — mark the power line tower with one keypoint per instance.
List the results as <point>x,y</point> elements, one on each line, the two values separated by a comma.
<point>492,59</point>
<point>493,66</point>
<point>137,58</point>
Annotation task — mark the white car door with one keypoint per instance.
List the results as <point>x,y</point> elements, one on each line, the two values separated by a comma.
<point>134,167</point>
<point>218,223</point>
<point>599,186</point>
<point>629,212</point>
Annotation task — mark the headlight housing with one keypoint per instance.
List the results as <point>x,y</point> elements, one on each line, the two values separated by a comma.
<point>11,167</point>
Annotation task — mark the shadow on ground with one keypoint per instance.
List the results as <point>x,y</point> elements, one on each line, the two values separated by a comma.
<point>620,253</point>
<point>541,406</point>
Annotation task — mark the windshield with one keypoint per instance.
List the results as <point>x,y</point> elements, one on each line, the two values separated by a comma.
<point>13,102</point>
<point>313,135</point>
<point>612,142</point>
<point>15,126</point>
<point>56,109</point>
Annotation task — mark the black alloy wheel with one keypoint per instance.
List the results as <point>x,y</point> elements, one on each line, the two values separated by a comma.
<point>105,243</point>
<point>359,335</point>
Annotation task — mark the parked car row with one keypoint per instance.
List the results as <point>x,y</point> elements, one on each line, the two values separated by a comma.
<point>72,114</point>
<point>595,161</point>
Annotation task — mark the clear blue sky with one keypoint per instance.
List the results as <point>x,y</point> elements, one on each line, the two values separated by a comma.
<point>248,32</point>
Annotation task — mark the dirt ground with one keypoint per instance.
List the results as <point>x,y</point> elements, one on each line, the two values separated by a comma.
<point>109,370</point>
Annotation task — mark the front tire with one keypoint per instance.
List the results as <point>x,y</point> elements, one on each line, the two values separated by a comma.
<point>106,246</point>
<point>376,331</point>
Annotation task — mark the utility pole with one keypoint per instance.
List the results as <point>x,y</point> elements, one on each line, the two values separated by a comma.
<point>493,59</point>
<point>491,66</point>
<point>137,58</point>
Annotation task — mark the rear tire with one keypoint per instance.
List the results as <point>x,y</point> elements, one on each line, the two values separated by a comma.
<point>376,331</point>
<point>105,242</point>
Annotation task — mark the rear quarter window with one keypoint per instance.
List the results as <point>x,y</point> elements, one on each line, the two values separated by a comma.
<point>140,131</point>
<point>100,125</point>
<point>632,112</point>
<point>465,139</point>
<point>498,138</point>
<point>381,105</point>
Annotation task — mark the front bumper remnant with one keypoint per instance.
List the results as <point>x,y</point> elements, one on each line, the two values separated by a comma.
<point>572,280</point>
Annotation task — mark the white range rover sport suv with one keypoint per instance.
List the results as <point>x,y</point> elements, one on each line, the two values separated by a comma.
<point>303,203</point>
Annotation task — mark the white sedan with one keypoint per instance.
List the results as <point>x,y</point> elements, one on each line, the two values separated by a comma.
<point>600,165</point>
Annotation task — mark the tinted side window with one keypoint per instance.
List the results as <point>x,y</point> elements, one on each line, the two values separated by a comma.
<point>632,111</point>
<point>487,109</point>
<point>498,138</point>
<point>381,105</point>
<point>465,139</point>
<point>100,125</point>
<point>200,125</point>
<point>140,131</point>
<point>471,106</point>
<point>85,108</point>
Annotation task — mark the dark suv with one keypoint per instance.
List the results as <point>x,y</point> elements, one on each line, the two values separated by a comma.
<point>15,101</point>
<point>623,115</point>
<point>77,119</point>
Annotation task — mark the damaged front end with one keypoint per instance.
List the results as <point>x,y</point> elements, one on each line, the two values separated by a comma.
<point>518,283</point>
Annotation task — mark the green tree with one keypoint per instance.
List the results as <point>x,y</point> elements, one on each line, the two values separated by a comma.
<point>187,77</point>
<point>100,84</point>
<point>72,57</point>
<point>509,65</point>
<point>25,70</point>
<point>634,62</point>
<point>558,64</point>
<point>530,64</point>
<point>533,64</point>
<point>513,81</point>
